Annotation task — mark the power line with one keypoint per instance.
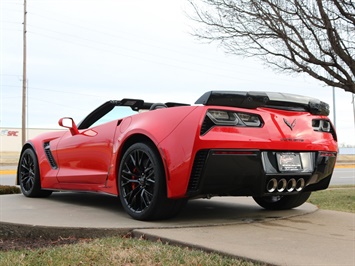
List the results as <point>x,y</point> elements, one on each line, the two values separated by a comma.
<point>156,56</point>
<point>120,37</point>
<point>124,48</point>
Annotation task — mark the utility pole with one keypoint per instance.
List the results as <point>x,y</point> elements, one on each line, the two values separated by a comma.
<point>334,111</point>
<point>24,79</point>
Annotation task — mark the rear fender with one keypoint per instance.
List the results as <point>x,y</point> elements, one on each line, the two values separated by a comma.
<point>178,151</point>
<point>166,131</point>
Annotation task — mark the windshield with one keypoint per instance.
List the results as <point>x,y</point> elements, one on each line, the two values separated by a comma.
<point>117,112</point>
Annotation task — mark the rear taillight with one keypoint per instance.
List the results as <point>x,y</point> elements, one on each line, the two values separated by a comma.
<point>229,118</point>
<point>324,125</point>
<point>321,125</point>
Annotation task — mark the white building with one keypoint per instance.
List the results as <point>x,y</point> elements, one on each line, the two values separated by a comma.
<point>10,138</point>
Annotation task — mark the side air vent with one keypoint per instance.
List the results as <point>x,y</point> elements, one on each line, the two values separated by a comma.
<point>49,155</point>
<point>197,169</point>
<point>206,125</point>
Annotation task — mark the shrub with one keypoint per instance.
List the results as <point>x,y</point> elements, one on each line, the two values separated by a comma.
<point>9,190</point>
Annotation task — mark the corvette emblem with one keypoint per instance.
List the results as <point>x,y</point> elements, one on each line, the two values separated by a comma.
<point>290,125</point>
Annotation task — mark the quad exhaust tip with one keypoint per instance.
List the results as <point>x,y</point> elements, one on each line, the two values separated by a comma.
<point>281,185</point>
<point>271,185</point>
<point>285,186</point>
<point>291,185</point>
<point>300,184</point>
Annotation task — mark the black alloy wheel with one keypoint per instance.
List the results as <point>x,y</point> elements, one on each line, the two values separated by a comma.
<point>142,184</point>
<point>29,177</point>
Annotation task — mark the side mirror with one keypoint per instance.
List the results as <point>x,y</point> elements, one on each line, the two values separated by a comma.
<point>68,122</point>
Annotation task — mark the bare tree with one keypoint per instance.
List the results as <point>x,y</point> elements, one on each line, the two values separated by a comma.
<point>312,36</point>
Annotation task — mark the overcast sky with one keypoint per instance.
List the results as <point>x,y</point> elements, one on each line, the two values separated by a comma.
<point>83,53</point>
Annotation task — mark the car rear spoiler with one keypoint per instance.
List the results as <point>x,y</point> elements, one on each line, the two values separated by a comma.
<point>254,99</point>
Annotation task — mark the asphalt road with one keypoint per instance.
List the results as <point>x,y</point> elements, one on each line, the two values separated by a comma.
<point>341,176</point>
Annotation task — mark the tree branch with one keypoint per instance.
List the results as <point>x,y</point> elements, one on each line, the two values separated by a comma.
<point>316,37</point>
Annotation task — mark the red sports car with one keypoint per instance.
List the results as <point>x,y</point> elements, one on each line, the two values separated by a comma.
<point>275,147</point>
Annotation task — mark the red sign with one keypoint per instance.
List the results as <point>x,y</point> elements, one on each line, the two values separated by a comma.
<point>9,133</point>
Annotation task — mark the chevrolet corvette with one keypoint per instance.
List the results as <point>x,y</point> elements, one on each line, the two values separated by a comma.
<point>274,147</point>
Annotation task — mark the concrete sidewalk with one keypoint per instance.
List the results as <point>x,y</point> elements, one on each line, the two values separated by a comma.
<point>233,226</point>
<point>320,238</point>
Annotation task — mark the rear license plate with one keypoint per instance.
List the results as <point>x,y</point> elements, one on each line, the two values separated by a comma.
<point>289,161</point>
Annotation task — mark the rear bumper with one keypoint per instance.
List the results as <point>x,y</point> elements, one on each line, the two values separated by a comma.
<point>234,172</point>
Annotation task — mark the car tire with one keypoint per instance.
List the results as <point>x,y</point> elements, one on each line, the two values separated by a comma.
<point>28,175</point>
<point>282,202</point>
<point>142,185</point>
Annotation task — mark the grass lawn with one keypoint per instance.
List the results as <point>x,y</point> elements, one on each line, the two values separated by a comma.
<point>116,251</point>
<point>335,198</point>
